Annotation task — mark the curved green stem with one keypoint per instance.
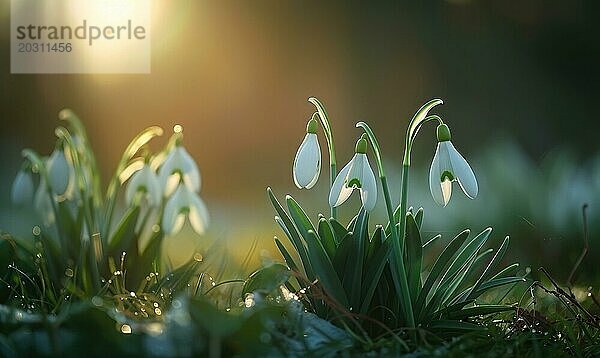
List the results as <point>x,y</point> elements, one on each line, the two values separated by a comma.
<point>418,119</point>
<point>330,146</point>
<point>397,258</point>
<point>138,142</point>
<point>414,125</point>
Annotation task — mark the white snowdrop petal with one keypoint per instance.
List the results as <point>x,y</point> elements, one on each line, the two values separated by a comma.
<point>166,169</point>
<point>172,211</point>
<point>177,224</point>
<point>58,172</point>
<point>368,192</point>
<point>154,190</point>
<point>339,192</point>
<point>435,178</point>
<point>446,187</point>
<point>43,205</point>
<point>463,173</point>
<point>190,169</point>
<point>356,171</point>
<point>198,215</point>
<point>307,162</point>
<point>133,186</point>
<point>171,184</point>
<point>22,189</point>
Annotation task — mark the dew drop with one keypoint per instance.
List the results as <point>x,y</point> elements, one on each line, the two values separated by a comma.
<point>177,128</point>
<point>157,311</point>
<point>36,230</point>
<point>126,329</point>
<point>69,272</point>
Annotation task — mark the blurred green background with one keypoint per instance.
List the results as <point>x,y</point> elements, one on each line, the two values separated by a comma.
<point>519,80</point>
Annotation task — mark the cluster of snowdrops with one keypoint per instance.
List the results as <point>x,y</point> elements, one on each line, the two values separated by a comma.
<point>374,280</point>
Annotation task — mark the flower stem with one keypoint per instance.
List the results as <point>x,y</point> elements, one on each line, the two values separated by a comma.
<point>397,258</point>
<point>322,114</point>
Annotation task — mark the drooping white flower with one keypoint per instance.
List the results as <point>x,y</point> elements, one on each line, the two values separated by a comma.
<point>145,181</point>
<point>449,165</point>
<point>182,203</point>
<point>59,171</point>
<point>42,203</point>
<point>22,188</point>
<point>307,163</point>
<point>357,174</point>
<point>179,164</point>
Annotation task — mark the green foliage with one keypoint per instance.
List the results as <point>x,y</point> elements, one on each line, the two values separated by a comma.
<point>354,271</point>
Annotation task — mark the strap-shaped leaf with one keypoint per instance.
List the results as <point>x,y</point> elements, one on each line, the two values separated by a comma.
<point>414,257</point>
<point>468,251</point>
<point>324,269</point>
<point>342,253</point>
<point>374,269</point>
<point>125,231</point>
<point>352,278</point>
<point>497,282</point>
<point>419,218</point>
<point>493,262</point>
<point>432,240</point>
<point>286,255</point>
<point>446,326</point>
<point>286,224</point>
<point>437,269</point>
<point>338,230</point>
<point>508,270</point>
<point>327,237</point>
<point>299,217</point>
<point>463,273</point>
<point>375,243</point>
<point>479,311</point>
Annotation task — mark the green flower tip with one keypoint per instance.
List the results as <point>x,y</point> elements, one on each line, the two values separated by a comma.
<point>361,145</point>
<point>312,126</point>
<point>443,133</point>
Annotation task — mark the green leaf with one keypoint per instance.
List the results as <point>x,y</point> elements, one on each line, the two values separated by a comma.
<point>352,278</point>
<point>419,218</point>
<point>437,269</point>
<point>324,270</point>
<point>286,224</point>
<point>374,269</point>
<point>479,311</point>
<point>375,243</point>
<point>497,282</point>
<point>447,326</point>
<point>125,232</point>
<point>327,237</point>
<point>414,256</point>
<point>508,270</point>
<point>267,279</point>
<point>299,217</point>
<point>339,230</point>
<point>493,262</point>
<point>286,256</point>
<point>342,253</point>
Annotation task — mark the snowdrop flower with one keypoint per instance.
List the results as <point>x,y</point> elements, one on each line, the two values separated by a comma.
<point>42,204</point>
<point>448,166</point>
<point>182,203</point>
<point>59,172</point>
<point>145,181</point>
<point>307,163</point>
<point>179,165</point>
<point>22,188</point>
<point>357,174</point>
